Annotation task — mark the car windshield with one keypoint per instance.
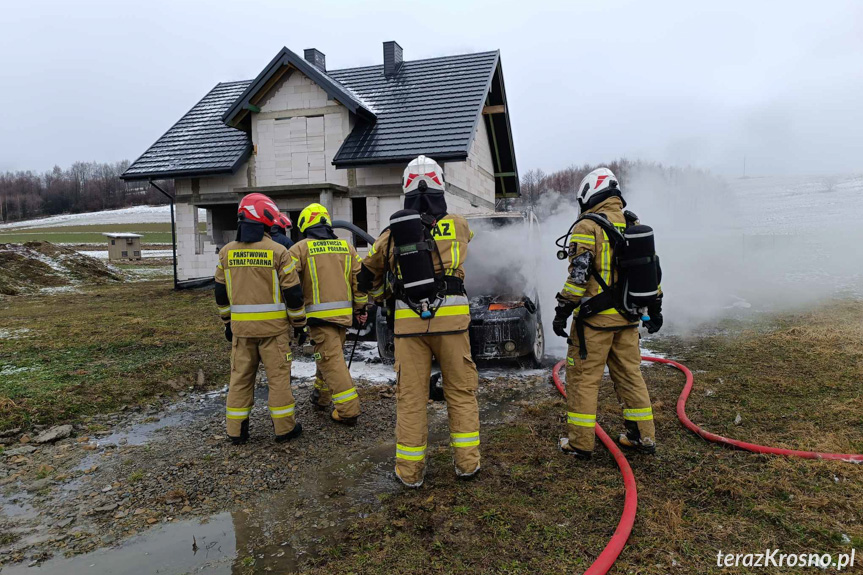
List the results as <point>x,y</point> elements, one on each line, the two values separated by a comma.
<point>498,258</point>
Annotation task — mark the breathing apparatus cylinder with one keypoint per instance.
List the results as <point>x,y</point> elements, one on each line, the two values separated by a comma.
<point>413,253</point>
<point>638,264</point>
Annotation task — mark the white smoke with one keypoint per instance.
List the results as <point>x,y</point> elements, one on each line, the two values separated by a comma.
<point>766,244</point>
<point>726,246</point>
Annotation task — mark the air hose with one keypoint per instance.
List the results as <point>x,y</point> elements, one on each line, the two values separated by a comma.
<point>624,527</point>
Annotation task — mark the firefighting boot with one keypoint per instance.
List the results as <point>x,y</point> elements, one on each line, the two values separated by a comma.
<point>349,421</point>
<point>567,449</point>
<point>466,476</point>
<point>292,434</point>
<point>412,485</point>
<point>631,439</point>
<point>244,434</point>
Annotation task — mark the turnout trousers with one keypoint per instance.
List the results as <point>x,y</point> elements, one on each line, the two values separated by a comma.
<point>332,378</point>
<point>246,354</point>
<point>413,357</point>
<point>619,350</point>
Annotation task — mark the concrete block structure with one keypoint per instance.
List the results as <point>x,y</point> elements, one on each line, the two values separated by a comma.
<point>301,133</point>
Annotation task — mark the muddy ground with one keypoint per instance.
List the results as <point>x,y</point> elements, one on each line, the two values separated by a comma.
<point>160,488</point>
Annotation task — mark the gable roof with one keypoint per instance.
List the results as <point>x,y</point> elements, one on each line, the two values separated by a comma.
<point>274,69</point>
<point>428,107</point>
<point>199,143</point>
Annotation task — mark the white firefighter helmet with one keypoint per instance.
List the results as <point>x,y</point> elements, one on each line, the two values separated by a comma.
<point>596,187</point>
<point>423,169</point>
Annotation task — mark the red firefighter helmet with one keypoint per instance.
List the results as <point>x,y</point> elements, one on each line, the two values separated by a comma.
<point>258,208</point>
<point>284,222</point>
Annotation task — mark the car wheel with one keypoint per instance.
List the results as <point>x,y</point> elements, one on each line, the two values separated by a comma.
<point>538,351</point>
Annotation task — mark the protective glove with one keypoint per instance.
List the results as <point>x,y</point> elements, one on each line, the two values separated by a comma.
<point>362,316</point>
<point>229,335</point>
<point>561,317</point>
<point>435,390</point>
<point>301,334</point>
<point>655,313</point>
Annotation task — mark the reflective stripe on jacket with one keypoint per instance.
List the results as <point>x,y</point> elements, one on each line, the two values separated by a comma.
<point>328,271</point>
<point>255,274</point>
<point>452,235</point>
<point>588,236</point>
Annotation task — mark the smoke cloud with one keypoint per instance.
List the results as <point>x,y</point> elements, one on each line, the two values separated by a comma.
<point>726,246</point>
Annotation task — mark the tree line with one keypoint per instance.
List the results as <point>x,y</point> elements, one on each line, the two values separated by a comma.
<point>82,187</point>
<point>561,186</point>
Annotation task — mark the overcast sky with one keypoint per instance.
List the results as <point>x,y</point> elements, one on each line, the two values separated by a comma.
<point>687,83</point>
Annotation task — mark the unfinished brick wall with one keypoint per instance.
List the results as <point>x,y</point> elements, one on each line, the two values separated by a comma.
<point>298,133</point>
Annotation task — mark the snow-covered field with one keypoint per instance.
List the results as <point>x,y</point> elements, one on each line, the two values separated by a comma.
<point>103,254</point>
<point>796,204</point>
<point>133,215</point>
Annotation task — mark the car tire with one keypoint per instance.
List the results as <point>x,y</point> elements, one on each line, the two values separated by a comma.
<point>534,358</point>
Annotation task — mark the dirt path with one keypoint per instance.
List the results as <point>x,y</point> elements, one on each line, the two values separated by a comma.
<point>161,489</point>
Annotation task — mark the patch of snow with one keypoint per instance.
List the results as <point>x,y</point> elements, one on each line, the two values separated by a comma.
<point>103,254</point>
<point>133,215</point>
<point>59,289</point>
<point>360,370</point>
<point>12,370</point>
<point>33,254</point>
<point>16,333</point>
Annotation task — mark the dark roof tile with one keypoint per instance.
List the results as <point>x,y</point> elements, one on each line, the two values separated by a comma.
<point>200,143</point>
<point>429,107</point>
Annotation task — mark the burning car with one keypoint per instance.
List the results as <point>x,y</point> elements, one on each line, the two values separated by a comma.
<point>501,273</point>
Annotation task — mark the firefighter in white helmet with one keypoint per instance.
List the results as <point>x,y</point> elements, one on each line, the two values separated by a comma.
<point>328,268</point>
<point>416,266</point>
<point>609,337</point>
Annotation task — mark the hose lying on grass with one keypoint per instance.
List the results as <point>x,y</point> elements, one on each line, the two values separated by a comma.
<point>624,527</point>
<point>687,423</point>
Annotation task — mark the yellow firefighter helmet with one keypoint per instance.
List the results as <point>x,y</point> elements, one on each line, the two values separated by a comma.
<point>313,215</point>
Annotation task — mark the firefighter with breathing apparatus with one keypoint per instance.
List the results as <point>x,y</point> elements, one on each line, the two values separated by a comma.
<point>328,268</point>
<point>416,266</point>
<point>613,283</point>
<point>255,279</point>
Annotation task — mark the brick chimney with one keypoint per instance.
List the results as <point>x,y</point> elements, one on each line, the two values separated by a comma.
<point>316,58</point>
<point>392,58</point>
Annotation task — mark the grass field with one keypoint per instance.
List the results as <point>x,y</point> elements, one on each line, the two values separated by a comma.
<point>154,233</point>
<point>65,356</point>
<point>795,380</point>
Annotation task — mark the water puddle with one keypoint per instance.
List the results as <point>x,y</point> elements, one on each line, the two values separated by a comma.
<point>165,549</point>
<point>276,532</point>
<point>17,506</point>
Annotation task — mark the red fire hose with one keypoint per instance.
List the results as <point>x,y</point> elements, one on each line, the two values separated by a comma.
<point>687,423</point>
<point>630,503</point>
<point>624,527</point>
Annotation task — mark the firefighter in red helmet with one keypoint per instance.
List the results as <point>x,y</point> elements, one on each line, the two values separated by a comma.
<point>255,281</point>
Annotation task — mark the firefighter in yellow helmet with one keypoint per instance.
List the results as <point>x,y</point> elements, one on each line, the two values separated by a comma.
<point>416,265</point>
<point>255,279</point>
<point>601,334</point>
<point>328,268</point>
